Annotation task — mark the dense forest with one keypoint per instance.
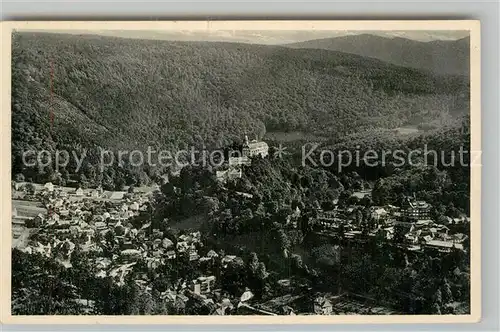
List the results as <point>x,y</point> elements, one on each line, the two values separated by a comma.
<point>112,92</point>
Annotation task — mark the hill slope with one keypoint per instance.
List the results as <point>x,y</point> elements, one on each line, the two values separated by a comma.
<point>115,92</point>
<point>445,57</point>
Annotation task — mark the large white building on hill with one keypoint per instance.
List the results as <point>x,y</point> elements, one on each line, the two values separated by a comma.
<point>254,148</point>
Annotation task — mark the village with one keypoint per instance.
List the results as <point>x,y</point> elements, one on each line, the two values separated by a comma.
<point>115,228</point>
<point>55,221</point>
<point>412,221</point>
<point>99,222</point>
<point>279,173</point>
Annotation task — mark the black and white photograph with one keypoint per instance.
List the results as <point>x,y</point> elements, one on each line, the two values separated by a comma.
<point>261,171</point>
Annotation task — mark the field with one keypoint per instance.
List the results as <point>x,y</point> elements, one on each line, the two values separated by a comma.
<point>28,208</point>
<point>407,130</point>
<point>292,136</point>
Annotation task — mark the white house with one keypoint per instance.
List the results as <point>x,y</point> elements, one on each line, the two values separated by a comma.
<point>247,295</point>
<point>254,148</point>
<point>170,254</point>
<point>64,212</point>
<point>19,185</point>
<point>116,195</point>
<point>131,253</point>
<point>193,255</point>
<point>79,192</point>
<point>100,225</point>
<point>166,243</point>
<point>182,246</point>
<point>212,254</point>
<point>134,206</point>
<point>379,213</point>
<point>230,174</point>
<point>49,186</point>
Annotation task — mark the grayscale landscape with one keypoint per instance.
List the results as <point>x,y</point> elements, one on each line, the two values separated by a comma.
<point>240,173</point>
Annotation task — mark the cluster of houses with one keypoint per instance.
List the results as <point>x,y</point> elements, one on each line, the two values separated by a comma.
<point>311,303</point>
<point>413,219</point>
<point>73,193</point>
<point>92,220</point>
<point>82,220</point>
<point>104,227</point>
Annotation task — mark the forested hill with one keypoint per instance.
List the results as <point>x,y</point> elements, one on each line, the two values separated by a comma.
<point>116,92</point>
<point>441,56</point>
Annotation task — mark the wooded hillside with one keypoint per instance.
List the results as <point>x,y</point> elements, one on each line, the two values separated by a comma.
<point>114,92</point>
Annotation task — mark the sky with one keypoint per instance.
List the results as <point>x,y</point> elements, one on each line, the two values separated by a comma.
<point>267,37</point>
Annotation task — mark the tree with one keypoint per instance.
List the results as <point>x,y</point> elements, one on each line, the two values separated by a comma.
<point>234,277</point>
<point>261,272</point>
<point>41,286</point>
<point>282,238</point>
<point>168,189</point>
<point>90,172</point>
<point>272,207</point>
<point>211,205</point>
<point>353,200</point>
<point>247,214</point>
<point>438,297</point>
<point>436,308</point>
<point>119,182</point>
<point>447,295</point>
<point>327,255</point>
<point>296,262</point>
<point>344,197</point>
<point>83,183</point>
<point>143,303</point>
<point>399,234</point>
<point>253,263</point>
<point>466,244</point>
<point>366,201</point>
<point>359,217</point>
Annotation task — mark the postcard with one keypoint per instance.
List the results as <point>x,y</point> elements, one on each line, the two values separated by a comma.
<point>253,172</point>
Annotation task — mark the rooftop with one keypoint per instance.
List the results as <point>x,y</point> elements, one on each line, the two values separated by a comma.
<point>444,244</point>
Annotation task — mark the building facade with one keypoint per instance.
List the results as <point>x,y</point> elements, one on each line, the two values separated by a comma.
<point>254,148</point>
<point>418,210</point>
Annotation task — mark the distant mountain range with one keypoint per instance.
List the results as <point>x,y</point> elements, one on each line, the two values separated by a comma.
<point>439,56</point>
